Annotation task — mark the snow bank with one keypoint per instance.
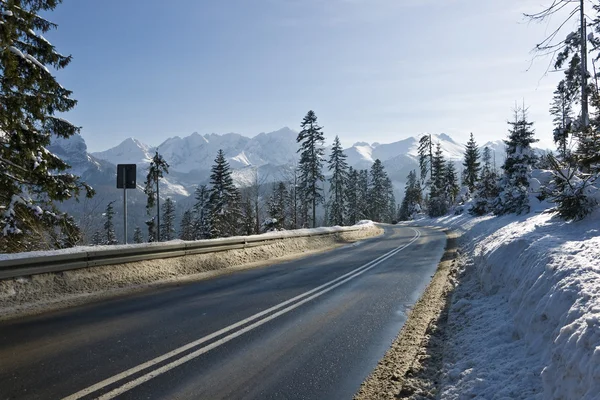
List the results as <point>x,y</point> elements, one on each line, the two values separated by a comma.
<point>43,292</point>
<point>528,320</point>
<point>364,224</point>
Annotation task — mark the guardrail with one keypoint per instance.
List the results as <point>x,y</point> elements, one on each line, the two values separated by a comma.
<point>25,266</point>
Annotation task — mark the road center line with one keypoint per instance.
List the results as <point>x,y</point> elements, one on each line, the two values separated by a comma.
<point>314,293</point>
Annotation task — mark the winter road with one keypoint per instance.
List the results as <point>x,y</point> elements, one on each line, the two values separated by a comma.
<point>311,328</point>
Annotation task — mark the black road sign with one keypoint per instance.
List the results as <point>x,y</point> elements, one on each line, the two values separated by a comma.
<point>126,171</point>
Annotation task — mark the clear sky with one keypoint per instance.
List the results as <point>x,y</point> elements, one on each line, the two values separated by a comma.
<point>373,70</point>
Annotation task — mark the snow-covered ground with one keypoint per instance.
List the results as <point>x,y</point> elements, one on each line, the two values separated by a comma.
<point>524,321</point>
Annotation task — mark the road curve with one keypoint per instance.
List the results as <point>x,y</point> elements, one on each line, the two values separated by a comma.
<point>312,328</point>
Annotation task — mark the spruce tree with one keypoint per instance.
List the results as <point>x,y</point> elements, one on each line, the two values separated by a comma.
<point>311,151</point>
<point>31,177</point>
<point>201,213</point>
<point>248,218</point>
<point>487,188</point>
<point>451,188</point>
<point>224,200</point>
<point>97,239</point>
<point>378,192</point>
<point>339,169</point>
<point>167,228</point>
<point>425,152</point>
<point>471,164</point>
<point>137,235</point>
<point>411,203</point>
<point>561,110</point>
<point>438,201</point>
<point>110,238</point>
<point>391,212</point>
<point>351,194</point>
<point>277,205</point>
<point>363,195</point>
<point>520,158</point>
<point>156,170</point>
<point>186,229</point>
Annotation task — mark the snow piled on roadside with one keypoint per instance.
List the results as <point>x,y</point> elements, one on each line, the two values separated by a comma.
<point>364,224</point>
<point>526,316</point>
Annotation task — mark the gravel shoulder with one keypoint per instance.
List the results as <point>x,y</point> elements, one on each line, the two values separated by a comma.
<point>412,366</point>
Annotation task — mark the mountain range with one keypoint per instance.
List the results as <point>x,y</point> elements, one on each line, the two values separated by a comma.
<point>262,159</point>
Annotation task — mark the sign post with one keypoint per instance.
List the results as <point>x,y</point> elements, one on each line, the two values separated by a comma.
<point>126,179</point>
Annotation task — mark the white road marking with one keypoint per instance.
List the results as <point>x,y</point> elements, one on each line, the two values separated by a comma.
<point>154,373</point>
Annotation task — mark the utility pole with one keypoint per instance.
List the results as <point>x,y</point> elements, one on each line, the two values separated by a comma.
<point>584,97</point>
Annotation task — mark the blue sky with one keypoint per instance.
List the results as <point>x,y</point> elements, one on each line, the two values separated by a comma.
<point>373,70</point>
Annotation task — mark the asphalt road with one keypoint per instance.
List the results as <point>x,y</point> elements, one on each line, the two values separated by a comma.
<point>312,328</point>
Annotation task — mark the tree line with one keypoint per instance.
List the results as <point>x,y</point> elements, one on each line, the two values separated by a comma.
<point>221,209</point>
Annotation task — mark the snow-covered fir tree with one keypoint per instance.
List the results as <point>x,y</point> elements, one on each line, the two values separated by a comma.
<point>339,169</point>
<point>156,170</point>
<point>351,194</point>
<point>31,177</point>
<point>224,200</point>
<point>438,200</point>
<point>110,238</point>
<point>167,227</point>
<point>186,227</point>
<point>520,159</point>
<point>411,203</point>
<point>201,213</point>
<point>486,189</point>
<point>471,164</point>
<point>311,151</point>
<point>137,235</point>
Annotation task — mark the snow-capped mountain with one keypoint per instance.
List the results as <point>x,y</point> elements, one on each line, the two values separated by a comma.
<point>196,153</point>
<point>130,151</point>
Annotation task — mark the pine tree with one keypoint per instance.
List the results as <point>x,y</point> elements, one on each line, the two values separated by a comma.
<point>110,238</point>
<point>351,194</point>
<point>201,213</point>
<point>224,200</point>
<point>561,110</point>
<point>471,164</point>
<point>311,151</point>
<point>156,170</point>
<point>32,178</point>
<point>411,203</point>
<point>339,168</point>
<point>378,192</point>
<point>520,158</point>
<point>425,152</point>
<point>186,229</point>
<point>438,202</point>
<point>486,190</point>
<point>167,228</point>
<point>137,235</point>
